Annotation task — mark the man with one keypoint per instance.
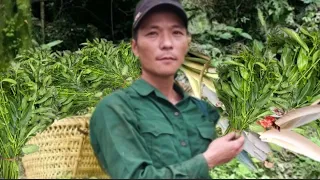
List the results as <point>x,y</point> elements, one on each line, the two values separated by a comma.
<point>153,129</point>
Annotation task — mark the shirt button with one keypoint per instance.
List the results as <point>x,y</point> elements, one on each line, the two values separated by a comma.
<point>183,143</point>
<point>176,113</point>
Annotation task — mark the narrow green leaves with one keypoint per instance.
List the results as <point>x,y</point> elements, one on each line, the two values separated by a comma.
<point>302,60</point>
<point>296,37</point>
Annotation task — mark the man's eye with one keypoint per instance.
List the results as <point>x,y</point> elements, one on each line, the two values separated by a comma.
<point>177,33</point>
<point>152,33</point>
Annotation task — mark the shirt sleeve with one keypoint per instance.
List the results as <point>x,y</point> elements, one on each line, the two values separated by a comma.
<point>122,151</point>
<point>213,113</point>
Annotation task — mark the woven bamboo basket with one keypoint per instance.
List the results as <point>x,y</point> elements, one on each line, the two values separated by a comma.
<point>64,151</point>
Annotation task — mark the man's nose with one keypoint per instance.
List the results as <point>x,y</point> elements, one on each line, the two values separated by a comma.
<point>166,41</point>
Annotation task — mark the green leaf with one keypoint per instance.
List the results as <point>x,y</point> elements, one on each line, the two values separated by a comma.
<point>92,77</point>
<point>250,65</point>
<point>286,90</point>
<point>46,81</point>
<point>263,114</point>
<point>43,109</point>
<point>279,100</point>
<point>275,147</point>
<point>229,62</point>
<point>293,75</point>
<point>125,70</point>
<point>42,91</point>
<point>66,108</point>
<point>315,56</point>
<point>24,102</point>
<point>96,84</point>
<point>304,91</point>
<point>46,97</point>
<point>32,132</point>
<point>304,31</point>
<point>226,35</point>
<point>264,98</point>
<point>1,125</point>
<point>261,19</point>
<point>296,92</point>
<point>9,81</point>
<point>26,116</point>
<point>296,37</point>
<point>48,115</point>
<point>261,65</point>
<point>246,35</point>
<point>29,149</point>
<point>87,71</point>
<point>315,98</point>
<point>236,80</point>
<point>51,44</point>
<point>256,128</point>
<point>254,92</point>
<point>266,88</point>
<point>236,92</point>
<point>70,98</point>
<point>67,76</point>
<point>199,24</point>
<point>226,88</point>
<point>286,57</point>
<point>244,73</point>
<point>257,47</point>
<point>302,60</point>
<point>98,95</point>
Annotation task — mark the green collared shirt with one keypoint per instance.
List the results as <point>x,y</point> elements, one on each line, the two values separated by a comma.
<point>137,133</point>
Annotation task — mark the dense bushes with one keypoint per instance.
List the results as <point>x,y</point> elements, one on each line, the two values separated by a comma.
<point>43,86</point>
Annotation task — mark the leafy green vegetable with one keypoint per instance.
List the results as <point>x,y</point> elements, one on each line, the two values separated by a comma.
<point>43,86</point>
<point>282,75</point>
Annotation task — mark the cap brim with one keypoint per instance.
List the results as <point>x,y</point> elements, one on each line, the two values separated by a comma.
<point>179,11</point>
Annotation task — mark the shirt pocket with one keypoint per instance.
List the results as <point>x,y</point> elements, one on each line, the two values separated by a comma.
<point>206,130</point>
<point>158,136</point>
<point>207,134</point>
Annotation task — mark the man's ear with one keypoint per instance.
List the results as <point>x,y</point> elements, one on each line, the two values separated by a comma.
<point>134,47</point>
<point>189,39</point>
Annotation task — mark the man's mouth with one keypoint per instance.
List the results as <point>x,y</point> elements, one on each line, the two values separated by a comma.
<point>166,58</point>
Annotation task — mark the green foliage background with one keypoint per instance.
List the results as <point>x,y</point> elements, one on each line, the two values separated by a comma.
<point>67,78</point>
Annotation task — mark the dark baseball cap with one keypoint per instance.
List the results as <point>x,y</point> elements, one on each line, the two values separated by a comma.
<point>145,6</point>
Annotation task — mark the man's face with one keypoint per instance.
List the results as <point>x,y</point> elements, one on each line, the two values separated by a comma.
<point>162,43</point>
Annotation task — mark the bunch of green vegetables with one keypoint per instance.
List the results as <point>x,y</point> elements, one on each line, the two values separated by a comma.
<point>79,79</point>
<point>20,118</point>
<point>283,75</point>
<point>245,87</point>
<point>274,88</point>
<point>298,67</point>
<point>43,86</point>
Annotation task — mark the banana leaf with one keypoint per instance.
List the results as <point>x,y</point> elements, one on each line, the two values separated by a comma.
<point>293,142</point>
<point>299,117</point>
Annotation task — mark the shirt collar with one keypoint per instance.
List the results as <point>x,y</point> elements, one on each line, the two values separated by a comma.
<point>144,88</point>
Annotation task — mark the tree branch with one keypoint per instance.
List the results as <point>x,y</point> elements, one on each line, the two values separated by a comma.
<point>112,20</point>
<point>42,12</point>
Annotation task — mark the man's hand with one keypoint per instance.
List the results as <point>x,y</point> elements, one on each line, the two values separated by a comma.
<point>223,149</point>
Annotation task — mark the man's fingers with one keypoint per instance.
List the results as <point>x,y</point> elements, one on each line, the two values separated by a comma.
<point>230,136</point>
<point>238,143</point>
<point>240,140</point>
<point>240,149</point>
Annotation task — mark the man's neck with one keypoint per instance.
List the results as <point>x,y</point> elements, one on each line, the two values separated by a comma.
<point>164,85</point>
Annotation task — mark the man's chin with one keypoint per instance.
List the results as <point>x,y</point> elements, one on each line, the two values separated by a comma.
<point>165,74</point>
<point>162,73</point>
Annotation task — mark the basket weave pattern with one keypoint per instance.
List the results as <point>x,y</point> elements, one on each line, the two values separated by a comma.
<point>64,150</point>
